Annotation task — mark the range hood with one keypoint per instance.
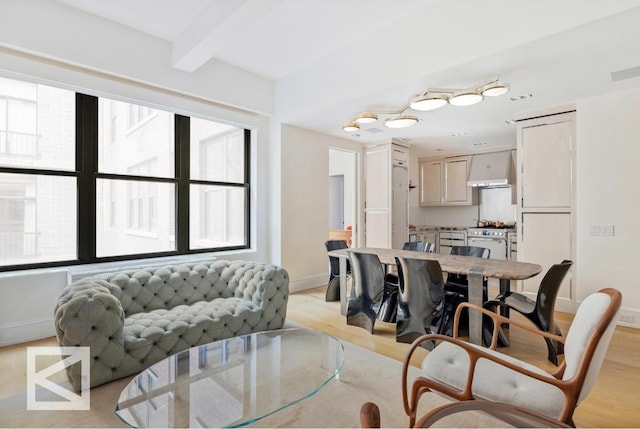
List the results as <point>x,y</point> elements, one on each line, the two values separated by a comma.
<point>490,169</point>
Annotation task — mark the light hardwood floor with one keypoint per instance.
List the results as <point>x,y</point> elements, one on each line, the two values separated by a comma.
<point>613,402</point>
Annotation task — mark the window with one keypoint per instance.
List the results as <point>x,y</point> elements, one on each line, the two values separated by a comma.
<point>156,184</point>
<point>218,199</point>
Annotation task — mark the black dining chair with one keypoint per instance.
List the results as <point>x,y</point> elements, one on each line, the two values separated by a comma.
<point>419,246</point>
<point>457,285</point>
<point>367,290</point>
<point>421,303</point>
<point>389,306</point>
<point>541,311</point>
<point>333,286</point>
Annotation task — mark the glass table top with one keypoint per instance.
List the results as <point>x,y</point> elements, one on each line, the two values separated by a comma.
<point>232,382</point>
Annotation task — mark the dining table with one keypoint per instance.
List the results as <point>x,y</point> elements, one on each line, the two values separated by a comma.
<point>476,269</point>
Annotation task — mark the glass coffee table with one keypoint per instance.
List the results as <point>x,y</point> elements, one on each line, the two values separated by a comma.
<point>232,382</point>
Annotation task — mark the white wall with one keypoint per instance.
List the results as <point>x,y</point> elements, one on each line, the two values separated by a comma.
<point>608,185</point>
<point>305,204</point>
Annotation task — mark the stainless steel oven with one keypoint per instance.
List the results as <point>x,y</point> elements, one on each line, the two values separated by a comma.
<point>494,239</point>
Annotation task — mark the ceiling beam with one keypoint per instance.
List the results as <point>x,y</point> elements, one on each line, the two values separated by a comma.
<point>214,28</point>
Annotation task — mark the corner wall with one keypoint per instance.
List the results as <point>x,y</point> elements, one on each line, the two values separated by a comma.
<point>305,204</point>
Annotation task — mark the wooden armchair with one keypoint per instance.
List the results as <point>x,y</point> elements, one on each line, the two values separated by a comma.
<point>507,413</point>
<point>467,372</point>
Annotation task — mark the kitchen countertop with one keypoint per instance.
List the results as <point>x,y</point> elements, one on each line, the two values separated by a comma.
<point>427,228</point>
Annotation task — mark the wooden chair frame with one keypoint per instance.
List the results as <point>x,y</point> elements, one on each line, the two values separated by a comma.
<point>571,388</point>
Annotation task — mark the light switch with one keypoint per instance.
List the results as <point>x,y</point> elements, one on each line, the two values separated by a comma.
<point>601,230</point>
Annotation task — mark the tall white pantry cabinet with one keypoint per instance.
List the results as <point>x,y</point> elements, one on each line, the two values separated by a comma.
<point>386,195</point>
<point>546,199</point>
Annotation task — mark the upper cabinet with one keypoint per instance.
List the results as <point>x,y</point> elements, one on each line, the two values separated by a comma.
<point>443,182</point>
<point>547,164</point>
<point>430,185</point>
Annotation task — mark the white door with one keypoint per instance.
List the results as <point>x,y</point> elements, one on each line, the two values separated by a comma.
<point>378,198</point>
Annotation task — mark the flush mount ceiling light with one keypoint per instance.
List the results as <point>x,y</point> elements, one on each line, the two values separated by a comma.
<point>465,98</point>
<point>495,89</point>
<point>430,99</point>
<point>366,118</point>
<point>427,101</point>
<point>400,122</point>
<point>351,127</point>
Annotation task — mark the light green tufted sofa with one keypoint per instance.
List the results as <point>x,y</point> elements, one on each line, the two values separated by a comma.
<point>132,319</point>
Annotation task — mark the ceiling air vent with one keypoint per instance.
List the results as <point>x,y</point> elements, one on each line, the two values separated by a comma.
<point>625,74</point>
<point>374,130</point>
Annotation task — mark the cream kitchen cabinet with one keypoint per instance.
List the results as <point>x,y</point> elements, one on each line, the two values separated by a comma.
<point>546,199</point>
<point>430,183</point>
<point>386,195</point>
<point>443,182</point>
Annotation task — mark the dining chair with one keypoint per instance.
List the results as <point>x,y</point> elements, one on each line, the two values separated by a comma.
<point>458,282</point>
<point>367,290</point>
<point>421,303</point>
<point>457,285</point>
<point>333,286</point>
<point>541,311</point>
<point>465,371</point>
<point>419,246</point>
<point>389,306</point>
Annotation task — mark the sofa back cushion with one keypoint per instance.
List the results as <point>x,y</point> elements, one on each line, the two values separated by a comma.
<point>165,287</point>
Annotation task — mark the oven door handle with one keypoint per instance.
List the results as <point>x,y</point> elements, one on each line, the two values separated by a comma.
<point>487,239</point>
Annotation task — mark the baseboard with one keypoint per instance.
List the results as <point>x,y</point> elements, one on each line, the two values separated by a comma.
<point>309,282</point>
<point>27,330</point>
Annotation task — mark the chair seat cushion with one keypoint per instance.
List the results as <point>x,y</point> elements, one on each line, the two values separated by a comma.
<point>449,364</point>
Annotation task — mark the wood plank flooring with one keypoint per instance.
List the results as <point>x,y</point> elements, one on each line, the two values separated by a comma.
<point>613,402</point>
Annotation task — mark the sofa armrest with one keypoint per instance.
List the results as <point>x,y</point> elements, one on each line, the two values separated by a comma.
<point>265,285</point>
<point>88,315</point>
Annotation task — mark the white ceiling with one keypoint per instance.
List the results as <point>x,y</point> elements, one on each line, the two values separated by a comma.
<point>332,59</point>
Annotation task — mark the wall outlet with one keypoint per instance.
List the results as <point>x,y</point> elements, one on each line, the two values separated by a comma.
<point>601,230</point>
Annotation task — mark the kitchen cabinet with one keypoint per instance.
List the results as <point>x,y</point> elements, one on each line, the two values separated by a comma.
<point>443,182</point>
<point>386,195</point>
<point>448,239</point>
<point>546,199</point>
<point>425,237</point>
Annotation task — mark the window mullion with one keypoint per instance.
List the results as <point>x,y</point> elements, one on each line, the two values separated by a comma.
<point>182,159</point>
<point>87,167</point>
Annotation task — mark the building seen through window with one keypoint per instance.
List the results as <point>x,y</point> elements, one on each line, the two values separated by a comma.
<point>135,182</point>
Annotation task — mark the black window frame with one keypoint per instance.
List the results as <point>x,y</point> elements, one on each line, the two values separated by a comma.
<point>87,174</point>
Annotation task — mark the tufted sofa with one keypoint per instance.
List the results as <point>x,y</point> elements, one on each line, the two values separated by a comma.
<point>132,319</point>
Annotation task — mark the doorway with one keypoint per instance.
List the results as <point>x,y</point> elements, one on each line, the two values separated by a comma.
<point>336,201</point>
<point>343,192</point>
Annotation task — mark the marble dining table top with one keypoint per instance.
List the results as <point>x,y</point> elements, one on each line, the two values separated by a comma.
<point>508,270</point>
